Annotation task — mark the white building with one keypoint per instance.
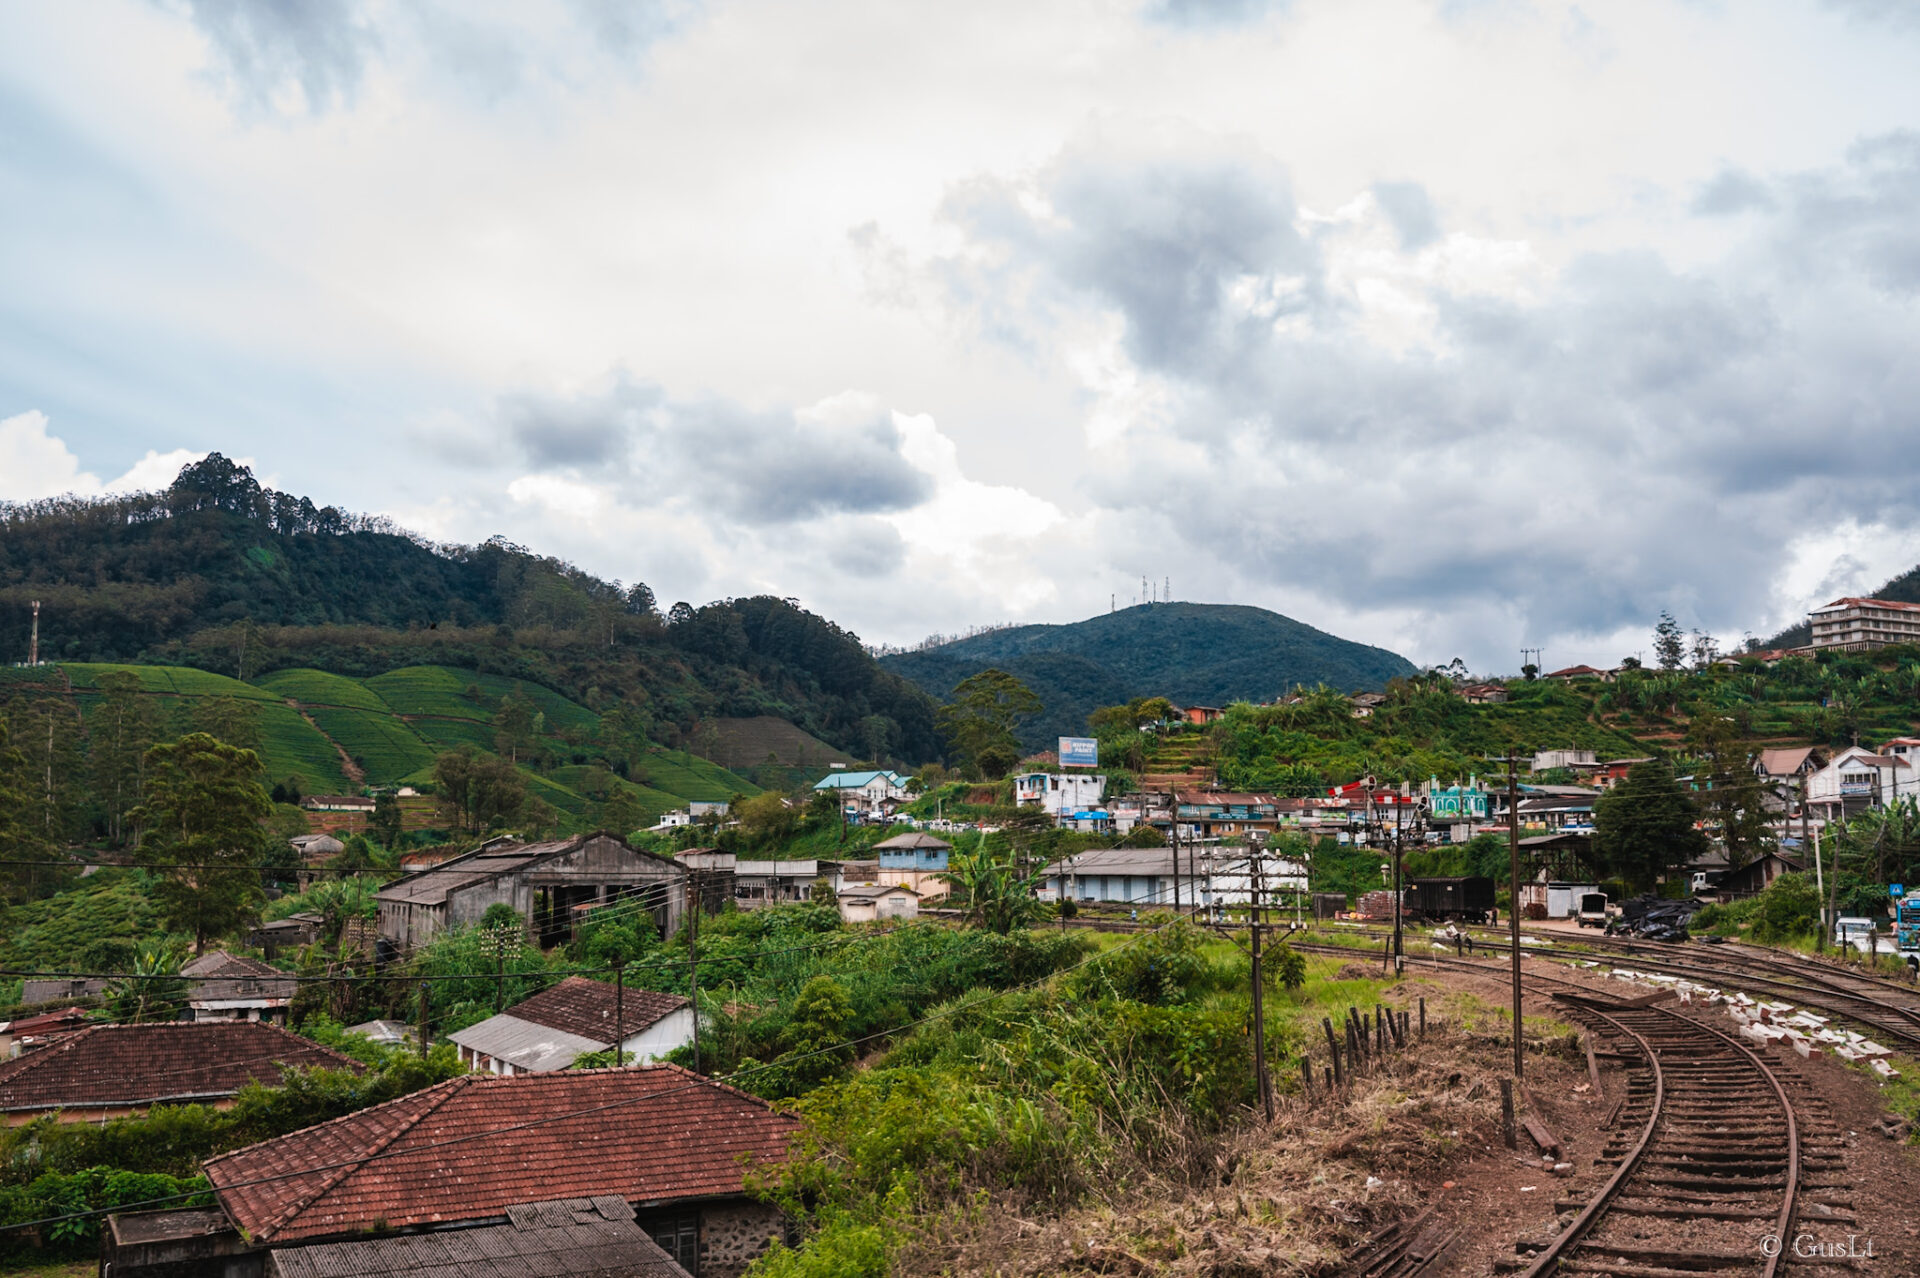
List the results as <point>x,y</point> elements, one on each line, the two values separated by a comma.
<point>557,1026</point>
<point>866,792</point>
<point>1059,792</point>
<point>1147,877</point>
<point>1857,779</point>
<point>1545,760</point>
<point>1859,625</point>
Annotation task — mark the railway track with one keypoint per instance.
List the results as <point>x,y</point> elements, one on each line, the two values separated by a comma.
<point>1714,1152</point>
<point>1889,1009</point>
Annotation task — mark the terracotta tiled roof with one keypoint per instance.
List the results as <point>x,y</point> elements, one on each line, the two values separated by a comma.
<point>470,1147</point>
<point>117,1065</point>
<point>585,1007</point>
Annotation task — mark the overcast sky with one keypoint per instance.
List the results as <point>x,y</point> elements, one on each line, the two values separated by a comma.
<point>1453,326</point>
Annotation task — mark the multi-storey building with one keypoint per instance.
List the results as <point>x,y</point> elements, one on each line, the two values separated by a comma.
<point>1857,625</point>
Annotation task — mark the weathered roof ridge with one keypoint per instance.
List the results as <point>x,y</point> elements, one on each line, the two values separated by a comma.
<point>346,1167</point>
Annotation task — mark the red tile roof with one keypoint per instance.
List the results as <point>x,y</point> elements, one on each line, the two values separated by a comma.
<point>585,1007</point>
<point>468,1148</point>
<point>121,1065</point>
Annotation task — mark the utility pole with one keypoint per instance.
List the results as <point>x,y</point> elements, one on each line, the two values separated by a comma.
<point>1176,851</point>
<point>33,644</point>
<point>619,1017</point>
<point>1399,948</point>
<point>1513,914</point>
<point>693,960</point>
<point>424,1040</point>
<point>1256,880</point>
<point>1819,882</point>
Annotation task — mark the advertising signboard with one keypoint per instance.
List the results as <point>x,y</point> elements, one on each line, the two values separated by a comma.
<point>1079,752</point>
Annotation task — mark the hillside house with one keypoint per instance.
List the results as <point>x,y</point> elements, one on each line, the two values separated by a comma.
<point>1861,625</point>
<point>289,933</point>
<point>572,1019</point>
<point>866,793</point>
<point>1483,694</point>
<point>1571,674</point>
<point>917,861</point>
<point>1057,792</point>
<point>35,991</point>
<point>1608,773</point>
<point>233,987</point>
<point>543,882</point>
<point>1216,814</point>
<point>1856,779</point>
<point>112,1071</point>
<point>877,902</point>
<point>1199,715</point>
<point>1362,705</point>
<point>1147,878</point>
<point>27,1033</point>
<point>1549,760</point>
<point>1754,876</point>
<point>758,884</point>
<point>665,1142</point>
<point>1784,769</point>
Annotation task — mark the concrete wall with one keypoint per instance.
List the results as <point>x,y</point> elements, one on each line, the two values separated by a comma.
<point>671,1031</point>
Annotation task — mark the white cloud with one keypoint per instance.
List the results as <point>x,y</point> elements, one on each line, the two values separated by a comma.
<point>34,464</point>
<point>1504,294</point>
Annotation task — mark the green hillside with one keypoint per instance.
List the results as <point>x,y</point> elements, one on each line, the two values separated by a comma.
<point>1207,654</point>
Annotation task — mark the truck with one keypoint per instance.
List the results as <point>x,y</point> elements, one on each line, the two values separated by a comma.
<point>1593,910</point>
<point>1854,933</point>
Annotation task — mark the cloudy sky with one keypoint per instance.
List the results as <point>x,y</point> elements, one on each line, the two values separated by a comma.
<point>1454,326</point>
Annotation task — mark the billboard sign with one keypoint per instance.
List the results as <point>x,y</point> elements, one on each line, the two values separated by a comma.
<point>1079,752</point>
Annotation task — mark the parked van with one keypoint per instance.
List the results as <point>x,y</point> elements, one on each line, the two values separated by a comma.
<point>1854,934</point>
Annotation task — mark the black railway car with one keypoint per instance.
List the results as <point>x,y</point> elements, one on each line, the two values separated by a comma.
<point>1468,899</point>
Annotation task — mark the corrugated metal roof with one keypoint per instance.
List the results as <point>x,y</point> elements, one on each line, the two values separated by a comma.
<point>433,885</point>
<point>576,1236</point>
<point>524,1045</point>
<point>1117,861</point>
<point>912,842</point>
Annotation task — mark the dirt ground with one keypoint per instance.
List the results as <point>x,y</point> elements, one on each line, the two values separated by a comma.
<point>1420,1131</point>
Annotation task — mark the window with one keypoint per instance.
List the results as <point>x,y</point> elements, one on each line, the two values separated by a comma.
<point>678,1234</point>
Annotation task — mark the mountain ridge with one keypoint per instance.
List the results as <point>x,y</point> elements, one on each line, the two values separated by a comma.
<point>1197,653</point>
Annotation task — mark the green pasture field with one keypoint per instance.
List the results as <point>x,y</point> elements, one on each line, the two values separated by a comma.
<point>586,779</point>
<point>386,746</point>
<point>691,777</point>
<point>291,746</point>
<point>319,688</point>
<point>441,691</point>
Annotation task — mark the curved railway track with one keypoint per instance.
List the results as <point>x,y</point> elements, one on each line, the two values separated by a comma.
<point>1716,1151</point>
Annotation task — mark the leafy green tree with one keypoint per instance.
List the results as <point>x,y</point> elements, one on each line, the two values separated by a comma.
<point>388,821</point>
<point>1669,645</point>
<point>622,738</point>
<point>152,990</point>
<point>22,832</point>
<point>1789,907</point>
<point>478,791</point>
<point>1728,789</point>
<point>1645,826</point>
<point>765,819</point>
<point>517,725</point>
<point>1000,897</point>
<point>122,730</point>
<point>980,717</point>
<point>231,720</point>
<point>203,819</point>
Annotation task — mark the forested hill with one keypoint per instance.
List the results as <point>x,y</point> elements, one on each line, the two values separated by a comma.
<point>1902,589</point>
<point>219,573</point>
<point>1208,654</point>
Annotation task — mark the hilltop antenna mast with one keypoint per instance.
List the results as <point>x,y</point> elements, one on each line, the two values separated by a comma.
<point>33,644</point>
<point>1534,661</point>
<point>1166,595</point>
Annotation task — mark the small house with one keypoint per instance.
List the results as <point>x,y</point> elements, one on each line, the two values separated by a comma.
<point>875,902</point>
<point>289,933</point>
<point>917,861</point>
<point>667,1143</point>
<point>866,793</point>
<point>572,1019</point>
<point>542,882</point>
<point>233,987</point>
<point>111,1071</point>
<point>1057,792</point>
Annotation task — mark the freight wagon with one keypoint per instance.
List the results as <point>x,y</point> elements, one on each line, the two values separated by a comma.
<point>1467,900</point>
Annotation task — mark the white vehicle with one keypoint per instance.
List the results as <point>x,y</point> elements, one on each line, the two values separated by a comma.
<point>1854,934</point>
<point>1593,910</point>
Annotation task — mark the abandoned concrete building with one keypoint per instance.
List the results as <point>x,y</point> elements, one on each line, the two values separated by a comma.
<point>550,885</point>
